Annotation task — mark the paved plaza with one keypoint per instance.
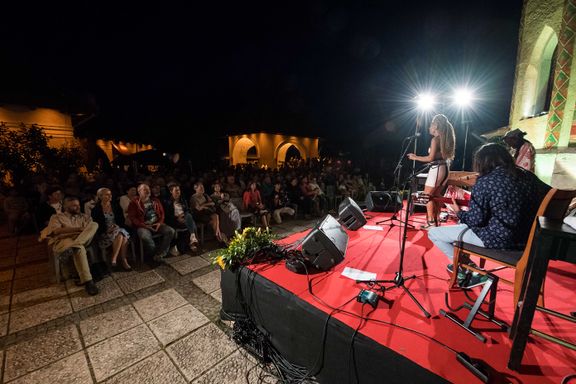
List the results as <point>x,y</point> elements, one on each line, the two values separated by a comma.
<point>157,325</point>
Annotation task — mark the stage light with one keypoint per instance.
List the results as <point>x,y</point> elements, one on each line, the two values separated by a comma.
<point>425,101</point>
<point>463,97</point>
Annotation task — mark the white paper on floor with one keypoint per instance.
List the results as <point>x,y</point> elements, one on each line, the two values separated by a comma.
<point>357,274</point>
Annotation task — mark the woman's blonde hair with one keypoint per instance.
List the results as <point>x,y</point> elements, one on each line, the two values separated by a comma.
<point>446,136</point>
<point>100,192</point>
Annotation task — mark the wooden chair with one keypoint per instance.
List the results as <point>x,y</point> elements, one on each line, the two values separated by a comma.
<point>554,206</point>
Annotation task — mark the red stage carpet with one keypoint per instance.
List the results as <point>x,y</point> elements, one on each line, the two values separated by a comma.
<point>378,251</point>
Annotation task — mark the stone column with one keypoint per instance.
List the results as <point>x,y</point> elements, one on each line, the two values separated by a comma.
<point>563,65</point>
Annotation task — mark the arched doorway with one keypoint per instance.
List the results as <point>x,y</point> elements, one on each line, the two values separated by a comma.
<point>245,151</point>
<point>288,151</point>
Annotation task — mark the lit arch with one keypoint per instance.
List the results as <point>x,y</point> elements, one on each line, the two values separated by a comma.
<point>537,79</point>
<point>241,149</point>
<point>283,148</point>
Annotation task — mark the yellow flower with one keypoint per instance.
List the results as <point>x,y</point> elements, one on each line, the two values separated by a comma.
<point>220,262</point>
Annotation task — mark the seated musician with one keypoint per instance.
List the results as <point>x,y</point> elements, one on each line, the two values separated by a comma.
<point>441,152</point>
<point>502,207</point>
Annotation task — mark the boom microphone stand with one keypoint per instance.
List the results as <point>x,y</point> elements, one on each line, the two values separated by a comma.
<point>399,278</point>
<point>397,173</point>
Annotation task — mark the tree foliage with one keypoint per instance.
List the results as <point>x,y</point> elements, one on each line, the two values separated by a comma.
<point>25,152</point>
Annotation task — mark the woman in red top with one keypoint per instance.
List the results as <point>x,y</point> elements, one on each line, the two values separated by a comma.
<point>253,202</point>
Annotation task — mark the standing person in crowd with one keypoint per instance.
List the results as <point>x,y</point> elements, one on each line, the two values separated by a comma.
<point>50,207</point>
<point>146,215</point>
<point>179,216</point>
<point>131,194</point>
<point>503,204</point>
<point>230,220</point>
<point>111,232</point>
<point>72,231</point>
<point>253,201</point>
<point>440,154</point>
<point>522,150</point>
<point>280,203</point>
<point>204,211</point>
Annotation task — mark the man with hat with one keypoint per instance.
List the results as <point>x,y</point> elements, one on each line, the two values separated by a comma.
<point>522,150</point>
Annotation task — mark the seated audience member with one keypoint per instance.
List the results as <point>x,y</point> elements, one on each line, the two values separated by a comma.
<point>71,231</point>
<point>131,194</point>
<point>16,209</point>
<point>51,206</point>
<point>179,216</point>
<point>502,207</point>
<point>280,203</point>
<point>295,196</point>
<point>231,187</point>
<point>253,201</point>
<point>146,216</point>
<point>522,150</point>
<point>111,232</point>
<point>89,202</point>
<point>230,220</point>
<point>204,211</point>
<point>267,190</point>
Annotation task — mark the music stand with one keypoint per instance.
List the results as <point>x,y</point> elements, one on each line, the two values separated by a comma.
<point>399,278</point>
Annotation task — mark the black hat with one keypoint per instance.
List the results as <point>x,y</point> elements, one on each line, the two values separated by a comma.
<point>515,133</point>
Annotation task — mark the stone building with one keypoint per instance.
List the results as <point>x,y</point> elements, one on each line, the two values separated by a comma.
<point>544,94</point>
<point>268,149</point>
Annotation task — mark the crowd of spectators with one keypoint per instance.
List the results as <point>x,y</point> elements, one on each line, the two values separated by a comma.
<point>152,202</point>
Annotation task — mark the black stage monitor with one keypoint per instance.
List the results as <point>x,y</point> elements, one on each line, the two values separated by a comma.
<point>350,215</point>
<point>325,245</point>
<point>383,201</point>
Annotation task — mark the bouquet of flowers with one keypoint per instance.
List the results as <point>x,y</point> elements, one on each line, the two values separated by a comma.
<point>244,247</point>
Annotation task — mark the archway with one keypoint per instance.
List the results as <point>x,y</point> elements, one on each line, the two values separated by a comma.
<point>288,151</point>
<point>539,75</point>
<point>245,151</point>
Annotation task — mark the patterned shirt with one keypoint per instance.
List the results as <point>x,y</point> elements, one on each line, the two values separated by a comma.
<point>526,156</point>
<point>502,208</point>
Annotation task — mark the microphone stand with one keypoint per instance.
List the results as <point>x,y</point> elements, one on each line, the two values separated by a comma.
<point>399,279</point>
<point>397,174</point>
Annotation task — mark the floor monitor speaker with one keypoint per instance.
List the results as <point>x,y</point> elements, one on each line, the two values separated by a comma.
<point>351,215</point>
<point>383,201</point>
<point>325,245</point>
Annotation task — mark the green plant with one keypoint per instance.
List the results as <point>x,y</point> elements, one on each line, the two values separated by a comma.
<point>243,247</point>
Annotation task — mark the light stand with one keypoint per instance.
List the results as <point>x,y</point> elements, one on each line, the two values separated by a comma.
<point>465,144</point>
<point>399,278</point>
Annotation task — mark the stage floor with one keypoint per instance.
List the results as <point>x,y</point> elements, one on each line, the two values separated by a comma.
<point>378,251</point>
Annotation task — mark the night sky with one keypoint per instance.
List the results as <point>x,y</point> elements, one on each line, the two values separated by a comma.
<point>338,70</point>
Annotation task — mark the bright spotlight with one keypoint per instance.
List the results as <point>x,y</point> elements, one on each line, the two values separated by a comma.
<point>425,101</point>
<point>463,97</point>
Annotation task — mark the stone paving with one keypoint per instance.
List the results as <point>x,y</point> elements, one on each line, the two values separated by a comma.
<point>156,325</point>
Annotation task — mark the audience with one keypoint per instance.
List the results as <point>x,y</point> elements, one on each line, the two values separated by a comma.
<point>71,231</point>
<point>179,216</point>
<point>253,202</point>
<point>229,215</point>
<point>49,207</point>
<point>204,211</point>
<point>111,232</point>
<point>146,215</point>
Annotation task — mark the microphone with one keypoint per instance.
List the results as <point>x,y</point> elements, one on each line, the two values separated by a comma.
<point>418,134</point>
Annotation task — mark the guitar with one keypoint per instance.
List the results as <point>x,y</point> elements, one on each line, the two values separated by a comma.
<point>424,198</point>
